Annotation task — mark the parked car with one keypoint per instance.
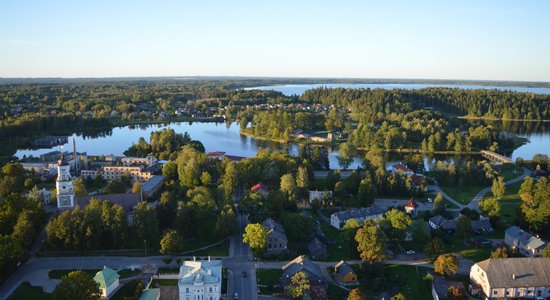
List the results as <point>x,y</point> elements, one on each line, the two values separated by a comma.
<point>410,252</point>
<point>236,296</point>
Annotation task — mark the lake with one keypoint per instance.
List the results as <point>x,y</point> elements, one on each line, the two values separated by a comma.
<point>299,89</point>
<point>223,137</point>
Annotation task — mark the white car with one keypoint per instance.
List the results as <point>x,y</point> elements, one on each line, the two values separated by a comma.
<point>410,252</point>
<point>236,296</point>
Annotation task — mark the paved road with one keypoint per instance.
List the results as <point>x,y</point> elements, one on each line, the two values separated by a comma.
<point>474,203</point>
<point>238,263</point>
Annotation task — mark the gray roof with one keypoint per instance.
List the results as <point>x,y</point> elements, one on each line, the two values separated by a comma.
<point>127,201</point>
<point>342,269</point>
<point>302,264</point>
<point>437,220</point>
<point>517,272</point>
<point>200,271</point>
<point>356,213</point>
<point>482,225</point>
<point>274,229</point>
<point>316,248</point>
<point>441,286</point>
<point>152,185</point>
<point>525,237</point>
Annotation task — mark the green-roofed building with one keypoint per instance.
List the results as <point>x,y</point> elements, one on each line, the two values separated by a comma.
<point>150,294</point>
<point>108,281</point>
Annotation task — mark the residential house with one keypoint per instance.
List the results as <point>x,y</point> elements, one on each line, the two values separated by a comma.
<point>277,242</point>
<point>317,249</point>
<point>260,188</point>
<point>216,155</point>
<point>108,281</point>
<point>440,286</point>
<point>150,294</point>
<point>438,222</point>
<point>411,207</point>
<point>344,273</point>
<point>302,264</point>
<point>524,242</point>
<point>322,196</point>
<point>338,219</point>
<point>201,279</point>
<point>483,225</point>
<point>511,278</point>
<point>401,168</point>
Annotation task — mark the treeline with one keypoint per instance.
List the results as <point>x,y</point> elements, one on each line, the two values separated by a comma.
<point>473,103</point>
<point>164,144</point>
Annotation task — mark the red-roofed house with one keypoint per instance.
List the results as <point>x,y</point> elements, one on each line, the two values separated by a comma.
<point>260,188</point>
<point>402,168</point>
<point>411,207</point>
<point>216,154</point>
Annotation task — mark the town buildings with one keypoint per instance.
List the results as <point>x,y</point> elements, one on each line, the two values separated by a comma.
<point>303,264</point>
<point>511,278</point>
<point>524,242</point>
<point>64,185</point>
<point>344,273</point>
<point>338,219</point>
<point>277,242</point>
<point>200,280</point>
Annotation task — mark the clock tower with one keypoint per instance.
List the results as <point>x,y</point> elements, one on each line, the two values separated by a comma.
<point>64,185</point>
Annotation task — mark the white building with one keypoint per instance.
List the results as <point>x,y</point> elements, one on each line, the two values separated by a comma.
<point>338,219</point>
<point>200,280</point>
<point>108,280</point>
<point>511,278</point>
<point>64,185</point>
<point>524,242</point>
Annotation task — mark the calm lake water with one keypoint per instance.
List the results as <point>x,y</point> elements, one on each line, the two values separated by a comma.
<point>299,89</point>
<point>223,137</point>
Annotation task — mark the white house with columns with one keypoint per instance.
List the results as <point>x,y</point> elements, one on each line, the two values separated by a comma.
<point>200,280</point>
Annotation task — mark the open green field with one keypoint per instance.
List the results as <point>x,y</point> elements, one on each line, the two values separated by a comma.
<point>414,287</point>
<point>28,292</point>
<point>126,291</point>
<point>164,282</point>
<point>463,195</point>
<point>339,249</point>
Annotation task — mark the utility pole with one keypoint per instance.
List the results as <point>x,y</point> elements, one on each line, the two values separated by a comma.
<point>145,242</point>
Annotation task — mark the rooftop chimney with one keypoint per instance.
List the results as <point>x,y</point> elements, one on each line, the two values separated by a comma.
<point>194,258</point>
<point>513,276</point>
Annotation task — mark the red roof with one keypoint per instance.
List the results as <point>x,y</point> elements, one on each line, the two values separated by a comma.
<point>260,186</point>
<point>216,153</point>
<point>401,167</point>
<point>411,203</point>
<point>416,180</point>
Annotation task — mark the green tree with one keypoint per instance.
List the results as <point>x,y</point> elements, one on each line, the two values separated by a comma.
<point>434,248</point>
<point>499,187</point>
<point>11,252</point>
<point>79,187</point>
<point>356,294</point>
<point>500,252</point>
<point>302,178</point>
<point>255,235</point>
<point>136,187</point>
<point>146,224</point>
<point>463,227</point>
<point>456,293</point>
<point>226,224</point>
<point>490,206</point>
<point>171,243</point>
<point>115,187</point>
<point>166,210</point>
<point>230,179</point>
<point>77,285</point>
<point>24,230</point>
<point>288,186</point>
<point>206,178</point>
<point>348,232</point>
<point>366,191</point>
<point>299,284</point>
<point>371,242</point>
<point>446,265</point>
<point>29,183</point>
<point>546,251</point>
<point>439,204</point>
<point>400,222</point>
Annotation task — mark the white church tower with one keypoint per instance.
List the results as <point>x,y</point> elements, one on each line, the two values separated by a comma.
<point>64,185</point>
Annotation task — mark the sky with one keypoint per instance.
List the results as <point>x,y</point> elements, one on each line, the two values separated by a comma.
<point>467,39</point>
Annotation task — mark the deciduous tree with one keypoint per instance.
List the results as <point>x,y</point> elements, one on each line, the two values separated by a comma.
<point>372,242</point>
<point>255,235</point>
<point>299,284</point>
<point>446,265</point>
<point>77,285</point>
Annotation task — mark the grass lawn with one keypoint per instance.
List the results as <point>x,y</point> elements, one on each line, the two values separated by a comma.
<point>164,282</point>
<point>126,291</point>
<point>339,249</point>
<point>463,195</point>
<point>269,278</point>
<point>169,270</point>
<point>125,273</point>
<point>509,203</point>
<point>336,292</point>
<point>414,287</point>
<point>476,254</point>
<point>26,291</point>
<point>508,171</point>
<point>450,205</point>
<point>57,274</point>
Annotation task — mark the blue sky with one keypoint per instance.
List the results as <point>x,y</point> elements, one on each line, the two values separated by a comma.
<point>490,39</point>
